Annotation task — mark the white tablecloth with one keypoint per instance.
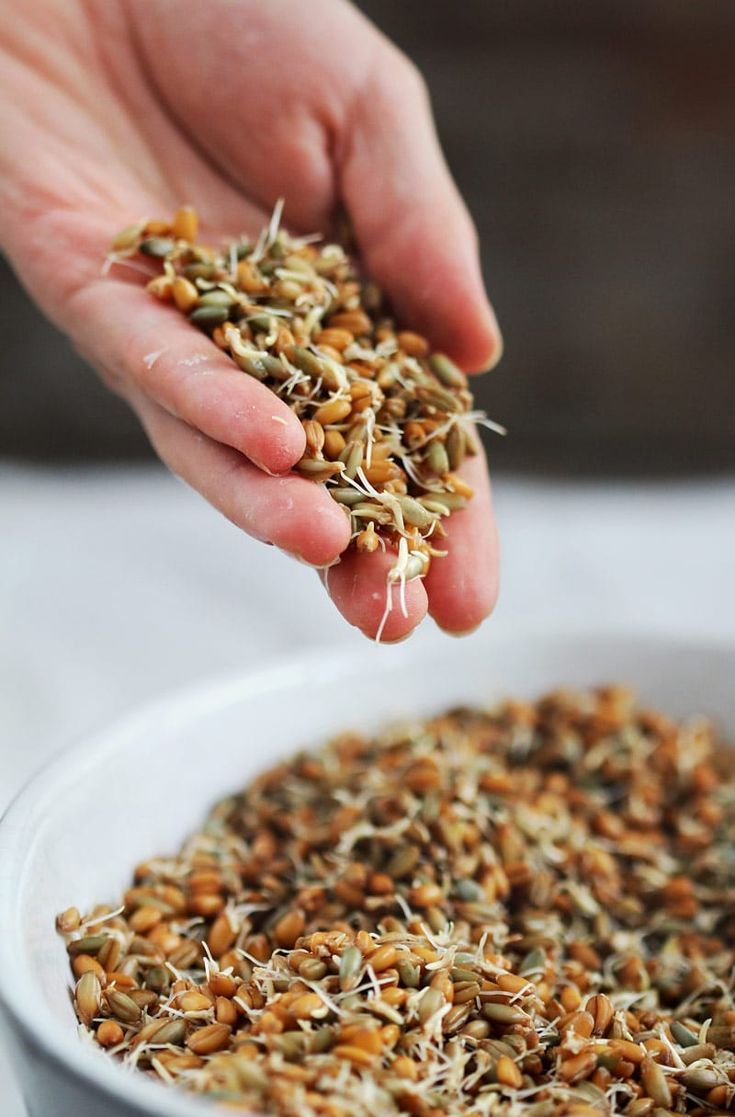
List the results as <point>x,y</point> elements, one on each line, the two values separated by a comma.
<point>118,584</point>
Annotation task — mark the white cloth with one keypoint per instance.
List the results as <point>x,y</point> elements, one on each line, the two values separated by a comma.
<point>116,584</point>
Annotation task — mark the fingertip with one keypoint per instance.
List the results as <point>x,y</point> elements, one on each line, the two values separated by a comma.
<point>359,588</point>
<point>317,532</point>
<point>463,614</point>
<point>468,330</point>
<point>463,585</point>
<point>483,349</point>
<point>445,299</point>
<point>280,445</point>
<point>478,350</point>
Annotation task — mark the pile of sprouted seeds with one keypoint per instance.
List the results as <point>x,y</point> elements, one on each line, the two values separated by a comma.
<point>387,421</point>
<point>528,911</point>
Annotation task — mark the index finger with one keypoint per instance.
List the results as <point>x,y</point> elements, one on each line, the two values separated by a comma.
<point>150,345</point>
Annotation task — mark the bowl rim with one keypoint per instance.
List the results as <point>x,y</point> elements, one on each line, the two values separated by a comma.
<point>180,704</point>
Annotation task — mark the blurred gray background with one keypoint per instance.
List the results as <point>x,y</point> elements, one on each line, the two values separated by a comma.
<point>595,143</point>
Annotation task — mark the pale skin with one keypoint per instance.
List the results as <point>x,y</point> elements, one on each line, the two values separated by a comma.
<point>115,110</point>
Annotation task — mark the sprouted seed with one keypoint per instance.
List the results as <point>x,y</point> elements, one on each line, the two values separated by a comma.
<point>388,422</point>
<point>524,911</point>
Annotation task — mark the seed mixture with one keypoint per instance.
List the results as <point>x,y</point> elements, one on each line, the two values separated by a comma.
<point>387,421</point>
<point>524,911</point>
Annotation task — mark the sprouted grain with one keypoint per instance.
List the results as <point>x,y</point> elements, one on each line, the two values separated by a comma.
<point>387,421</point>
<point>528,911</point>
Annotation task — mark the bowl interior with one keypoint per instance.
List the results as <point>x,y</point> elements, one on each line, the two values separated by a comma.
<point>75,834</point>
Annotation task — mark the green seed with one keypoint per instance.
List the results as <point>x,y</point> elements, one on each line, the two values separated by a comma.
<point>431,1002</point>
<point>439,398</point>
<point>349,967</point>
<point>414,513</point>
<point>470,445</point>
<point>456,1018</point>
<point>261,367</point>
<point>207,317</point>
<point>157,247</point>
<point>123,1007</point>
<point>346,496</point>
<point>409,973</point>
<point>352,456</point>
<point>321,1040</point>
<point>463,975</point>
<point>318,470</point>
<point>442,503</point>
<point>370,512</point>
<point>447,371</point>
<point>199,271</point>
<point>437,458</point>
<point>251,1075</point>
<point>92,944</point>
<point>534,962</point>
<point>476,1029</point>
<point>468,890</point>
<point>499,1047</point>
<point>504,1014</point>
<point>307,361</point>
<point>172,1032</point>
<point>218,297</point>
<point>127,238</point>
<point>312,969</point>
<point>465,960</point>
<point>455,446</point>
<point>292,1045</point>
<point>158,979</point>
<point>682,1035</point>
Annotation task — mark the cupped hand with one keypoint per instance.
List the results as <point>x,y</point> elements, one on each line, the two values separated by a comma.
<point>120,109</point>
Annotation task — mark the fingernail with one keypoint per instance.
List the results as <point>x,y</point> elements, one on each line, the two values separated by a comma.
<point>263,467</point>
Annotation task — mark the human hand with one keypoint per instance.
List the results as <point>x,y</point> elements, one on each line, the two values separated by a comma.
<point>116,109</point>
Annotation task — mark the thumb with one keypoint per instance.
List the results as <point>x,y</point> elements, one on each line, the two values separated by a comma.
<point>411,224</point>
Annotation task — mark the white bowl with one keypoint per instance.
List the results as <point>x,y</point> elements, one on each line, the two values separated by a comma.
<point>76,831</point>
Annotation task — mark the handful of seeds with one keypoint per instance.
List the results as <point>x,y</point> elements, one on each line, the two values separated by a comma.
<point>525,911</point>
<point>387,422</point>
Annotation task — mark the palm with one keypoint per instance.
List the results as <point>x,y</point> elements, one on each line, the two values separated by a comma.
<point>227,106</point>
